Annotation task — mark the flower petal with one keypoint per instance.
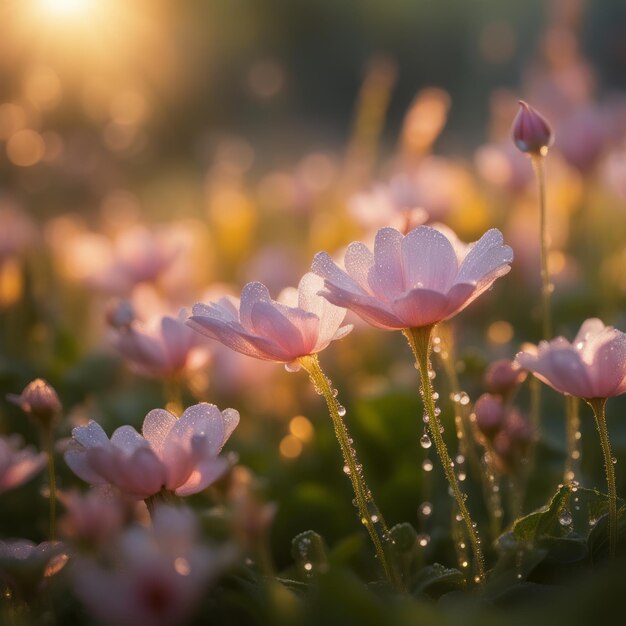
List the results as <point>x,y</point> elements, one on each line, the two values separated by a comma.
<point>429,260</point>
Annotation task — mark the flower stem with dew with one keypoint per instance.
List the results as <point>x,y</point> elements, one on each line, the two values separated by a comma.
<point>464,428</point>
<point>369,513</point>
<point>572,436</point>
<point>420,341</point>
<point>47,444</point>
<point>546,287</point>
<point>598,407</point>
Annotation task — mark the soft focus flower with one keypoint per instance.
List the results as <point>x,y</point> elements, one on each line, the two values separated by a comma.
<point>180,455</point>
<point>17,231</point>
<point>162,347</point>
<point>414,280</point>
<point>137,256</point>
<point>23,564</point>
<point>531,132</point>
<point>593,366</point>
<point>17,466</point>
<point>39,400</point>
<point>300,323</point>
<point>504,376</point>
<point>94,517</point>
<point>156,577</point>
<point>490,415</point>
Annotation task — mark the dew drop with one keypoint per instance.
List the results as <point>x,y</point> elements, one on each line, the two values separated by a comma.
<point>427,465</point>
<point>613,460</point>
<point>308,566</point>
<point>565,518</point>
<point>423,540</point>
<point>346,470</point>
<point>425,509</point>
<point>341,410</point>
<point>425,442</point>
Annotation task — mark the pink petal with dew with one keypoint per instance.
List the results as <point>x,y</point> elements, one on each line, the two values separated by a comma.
<point>429,260</point>
<point>294,331</point>
<point>156,427</point>
<point>200,419</point>
<point>558,365</point>
<point>77,460</point>
<point>127,439</point>
<point>325,267</point>
<point>358,262</point>
<point>608,366</point>
<point>485,260</point>
<point>251,295</point>
<point>91,435</point>
<point>205,473</point>
<point>588,329</point>
<point>366,307</point>
<point>420,307</point>
<point>236,338</point>
<point>386,276</point>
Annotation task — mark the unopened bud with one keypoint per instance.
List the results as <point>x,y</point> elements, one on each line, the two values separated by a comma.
<point>504,376</point>
<point>489,412</point>
<point>39,400</point>
<point>531,132</point>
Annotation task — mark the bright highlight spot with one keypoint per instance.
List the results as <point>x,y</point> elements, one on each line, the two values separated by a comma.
<point>301,428</point>
<point>65,7</point>
<point>290,447</point>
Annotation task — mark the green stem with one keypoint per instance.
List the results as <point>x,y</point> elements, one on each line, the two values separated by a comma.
<point>598,405</point>
<point>419,340</point>
<point>370,515</point>
<point>47,443</point>
<point>546,287</point>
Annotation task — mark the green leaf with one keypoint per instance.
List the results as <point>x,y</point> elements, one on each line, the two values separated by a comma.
<point>435,580</point>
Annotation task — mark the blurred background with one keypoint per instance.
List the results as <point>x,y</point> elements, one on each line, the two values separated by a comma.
<point>164,153</point>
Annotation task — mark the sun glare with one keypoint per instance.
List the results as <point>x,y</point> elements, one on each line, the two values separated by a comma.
<point>66,8</point>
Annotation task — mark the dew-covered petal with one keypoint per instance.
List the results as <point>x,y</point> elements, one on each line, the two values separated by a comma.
<point>267,320</point>
<point>358,262</point>
<point>156,426</point>
<point>386,277</point>
<point>205,473</point>
<point>429,260</point>
<point>91,435</point>
<point>127,439</point>
<point>485,259</point>
<point>251,295</point>
<point>324,266</point>
<point>202,419</point>
<point>420,307</point>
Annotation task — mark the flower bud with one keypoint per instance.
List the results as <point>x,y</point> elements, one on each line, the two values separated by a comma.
<point>531,132</point>
<point>489,412</point>
<point>39,400</point>
<point>503,377</point>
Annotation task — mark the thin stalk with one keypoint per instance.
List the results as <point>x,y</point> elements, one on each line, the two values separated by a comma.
<point>572,427</point>
<point>47,443</point>
<point>546,287</point>
<point>174,394</point>
<point>370,515</point>
<point>420,341</point>
<point>164,496</point>
<point>598,405</point>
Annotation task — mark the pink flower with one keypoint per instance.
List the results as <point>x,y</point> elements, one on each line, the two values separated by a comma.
<point>94,517</point>
<point>594,366</point>
<point>180,455</point>
<point>163,347</point>
<point>156,576</point>
<point>299,324</point>
<point>531,132</point>
<point>414,280</point>
<point>17,466</point>
<point>490,415</point>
